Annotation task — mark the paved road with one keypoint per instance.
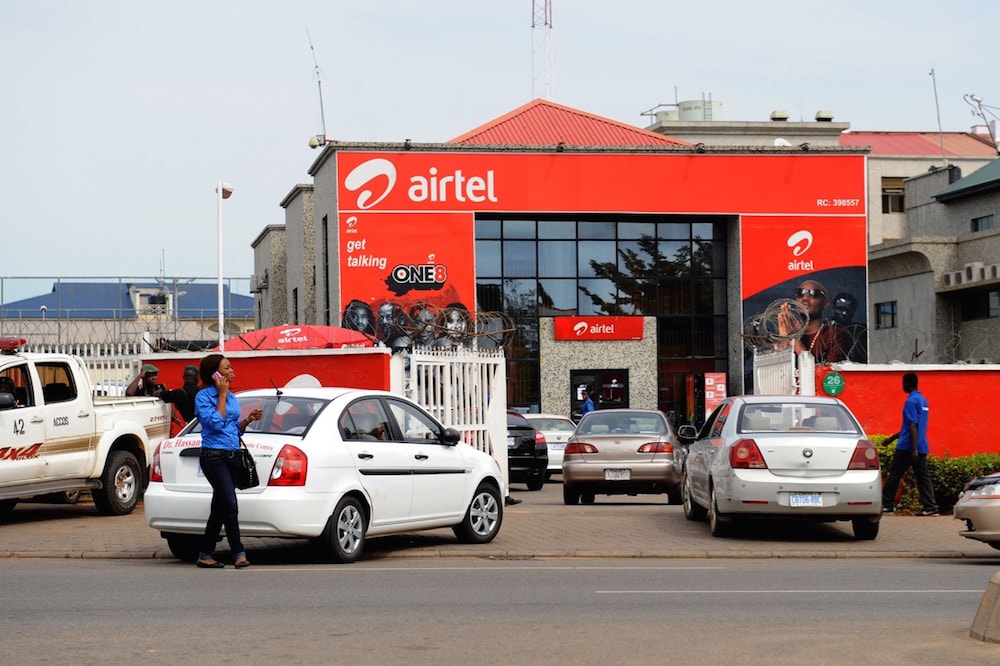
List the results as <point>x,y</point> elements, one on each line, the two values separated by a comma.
<point>541,526</point>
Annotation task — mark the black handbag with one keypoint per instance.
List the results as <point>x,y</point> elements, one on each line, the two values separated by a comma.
<point>247,478</point>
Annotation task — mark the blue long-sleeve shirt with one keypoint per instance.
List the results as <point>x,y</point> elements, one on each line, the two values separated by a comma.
<point>218,432</point>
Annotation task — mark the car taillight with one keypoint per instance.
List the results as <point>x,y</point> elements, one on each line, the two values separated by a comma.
<point>539,437</point>
<point>290,467</point>
<point>580,447</point>
<point>865,456</point>
<point>746,455</point>
<point>656,447</point>
<point>155,471</point>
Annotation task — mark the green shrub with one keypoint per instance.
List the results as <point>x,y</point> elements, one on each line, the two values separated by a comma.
<point>948,474</point>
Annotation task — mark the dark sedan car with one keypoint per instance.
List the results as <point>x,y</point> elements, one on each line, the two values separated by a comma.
<point>527,452</point>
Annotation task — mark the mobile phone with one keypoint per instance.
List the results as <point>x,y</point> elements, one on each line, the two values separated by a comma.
<point>216,376</point>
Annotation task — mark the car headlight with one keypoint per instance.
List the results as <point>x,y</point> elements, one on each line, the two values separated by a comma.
<point>988,490</point>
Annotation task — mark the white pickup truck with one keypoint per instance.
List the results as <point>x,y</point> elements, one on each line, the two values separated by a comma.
<point>56,437</point>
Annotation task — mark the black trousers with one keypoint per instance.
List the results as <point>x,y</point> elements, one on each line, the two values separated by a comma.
<point>902,461</point>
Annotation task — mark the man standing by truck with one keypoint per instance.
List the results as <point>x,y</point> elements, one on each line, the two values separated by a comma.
<point>146,383</point>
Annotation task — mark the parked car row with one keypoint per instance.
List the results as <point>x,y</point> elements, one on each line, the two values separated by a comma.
<point>339,465</point>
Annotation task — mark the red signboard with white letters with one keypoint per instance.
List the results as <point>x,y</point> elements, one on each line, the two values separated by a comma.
<point>598,328</point>
<point>407,218</point>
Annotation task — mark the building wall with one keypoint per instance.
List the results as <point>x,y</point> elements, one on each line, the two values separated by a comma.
<point>269,260</point>
<point>301,254</point>
<point>324,173</point>
<point>558,357</point>
<point>884,227</point>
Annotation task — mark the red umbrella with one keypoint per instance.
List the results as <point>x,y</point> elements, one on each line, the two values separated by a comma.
<point>292,336</point>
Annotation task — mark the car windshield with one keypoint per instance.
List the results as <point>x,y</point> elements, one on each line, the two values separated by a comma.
<point>283,415</point>
<point>598,423</point>
<point>797,417</point>
<point>555,425</point>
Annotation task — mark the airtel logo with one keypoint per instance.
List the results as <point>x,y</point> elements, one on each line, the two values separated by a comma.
<point>800,242</point>
<point>580,328</point>
<point>436,186</point>
<point>365,173</point>
<point>290,331</point>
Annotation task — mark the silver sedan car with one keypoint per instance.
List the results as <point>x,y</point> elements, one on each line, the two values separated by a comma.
<point>622,452</point>
<point>782,457</point>
<point>979,507</point>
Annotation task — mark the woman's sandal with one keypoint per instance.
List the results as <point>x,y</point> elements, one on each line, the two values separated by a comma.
<point>241,562</point>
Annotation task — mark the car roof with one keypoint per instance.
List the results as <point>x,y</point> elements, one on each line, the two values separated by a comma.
<point>323,392</point>
<point>789,399</point>
<point>536,415</point>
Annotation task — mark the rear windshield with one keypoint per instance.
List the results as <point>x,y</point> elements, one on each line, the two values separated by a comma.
<point>797,417</point>
<point>639,423</point>
<point>555,425</point>
<point>282,415</point>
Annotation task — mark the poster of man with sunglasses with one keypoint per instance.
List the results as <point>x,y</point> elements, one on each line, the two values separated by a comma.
<point>826,340</point>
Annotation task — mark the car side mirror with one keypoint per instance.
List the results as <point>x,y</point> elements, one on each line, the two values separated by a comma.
<point>451,437</point>
<point>687,433</point>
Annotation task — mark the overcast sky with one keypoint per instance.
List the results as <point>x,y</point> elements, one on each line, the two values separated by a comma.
<point>119,117</point>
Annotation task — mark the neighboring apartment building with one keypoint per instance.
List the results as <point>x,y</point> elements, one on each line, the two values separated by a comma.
<point>935,289</point>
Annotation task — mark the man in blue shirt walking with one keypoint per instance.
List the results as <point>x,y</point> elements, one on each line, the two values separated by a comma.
<point>911,450</point>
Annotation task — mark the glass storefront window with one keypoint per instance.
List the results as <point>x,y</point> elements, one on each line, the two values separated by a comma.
<point>519,298</point>
<point>487,228</point>
<point>488,258</point>
<point>596,229</point>
<point>557,229</point>
<point>599,252</point>
<point>597,297</point>
<point>519,229</point>
<point>557,259</point>
<point>519,259</point>
<point>637,230</point>
<point>557,298</point>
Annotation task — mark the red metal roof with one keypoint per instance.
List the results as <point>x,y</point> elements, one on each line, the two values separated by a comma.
<point>921,144</point>
<point>544,123</point>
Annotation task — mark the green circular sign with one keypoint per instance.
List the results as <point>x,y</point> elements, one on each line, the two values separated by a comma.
<point>833,384</point>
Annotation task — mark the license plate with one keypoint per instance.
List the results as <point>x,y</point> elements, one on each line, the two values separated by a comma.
<point>805,499</point>
<point>511,442</point>
<point>557,447</point>
<point>617,474</point>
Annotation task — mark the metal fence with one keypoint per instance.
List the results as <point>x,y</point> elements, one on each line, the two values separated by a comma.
<point>467,390</point>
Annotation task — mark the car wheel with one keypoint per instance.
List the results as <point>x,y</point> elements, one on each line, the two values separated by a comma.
<point>865,527</point>
<point>536,482</point>
<point>121,483</point>
<point>587,498</point>
<point>7,505</point>
<point>483,518</point>
<point>344,536</point>
<point>674,496</point>
<point>185,547</point>
<point>692,510</point>
<point>718,524</point>
<point>571,496</point>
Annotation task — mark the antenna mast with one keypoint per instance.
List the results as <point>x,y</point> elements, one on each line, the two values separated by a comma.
<point>319,84</point>
<point>541,39</point>
<point>938,108</point>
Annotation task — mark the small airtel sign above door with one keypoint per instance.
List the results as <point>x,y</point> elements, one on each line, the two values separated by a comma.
<point>598,328</point>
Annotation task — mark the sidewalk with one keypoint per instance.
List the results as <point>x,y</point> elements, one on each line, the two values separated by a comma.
<point>541,526</point>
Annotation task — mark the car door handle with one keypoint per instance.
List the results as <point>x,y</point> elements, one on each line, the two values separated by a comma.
<point>83,415</point>
<point>421,456</point>
<point>366,456</point>
<point>37,419</point>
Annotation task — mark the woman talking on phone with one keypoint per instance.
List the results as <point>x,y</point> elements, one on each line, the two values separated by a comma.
<point>218,411</point>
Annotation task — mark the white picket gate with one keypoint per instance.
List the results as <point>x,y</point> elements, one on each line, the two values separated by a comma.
<point>466,390</point>
<point>775,373</point>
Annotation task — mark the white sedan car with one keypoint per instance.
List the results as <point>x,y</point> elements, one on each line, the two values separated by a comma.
<point>337,465</point>
<point>782,457</point>
<point>557,429</point>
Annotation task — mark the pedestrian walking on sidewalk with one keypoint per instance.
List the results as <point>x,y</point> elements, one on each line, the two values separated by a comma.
<point>911,450</point>
<point>218,412</point>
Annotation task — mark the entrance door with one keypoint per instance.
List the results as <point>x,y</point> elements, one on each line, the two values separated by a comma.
<point>608,388</point>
